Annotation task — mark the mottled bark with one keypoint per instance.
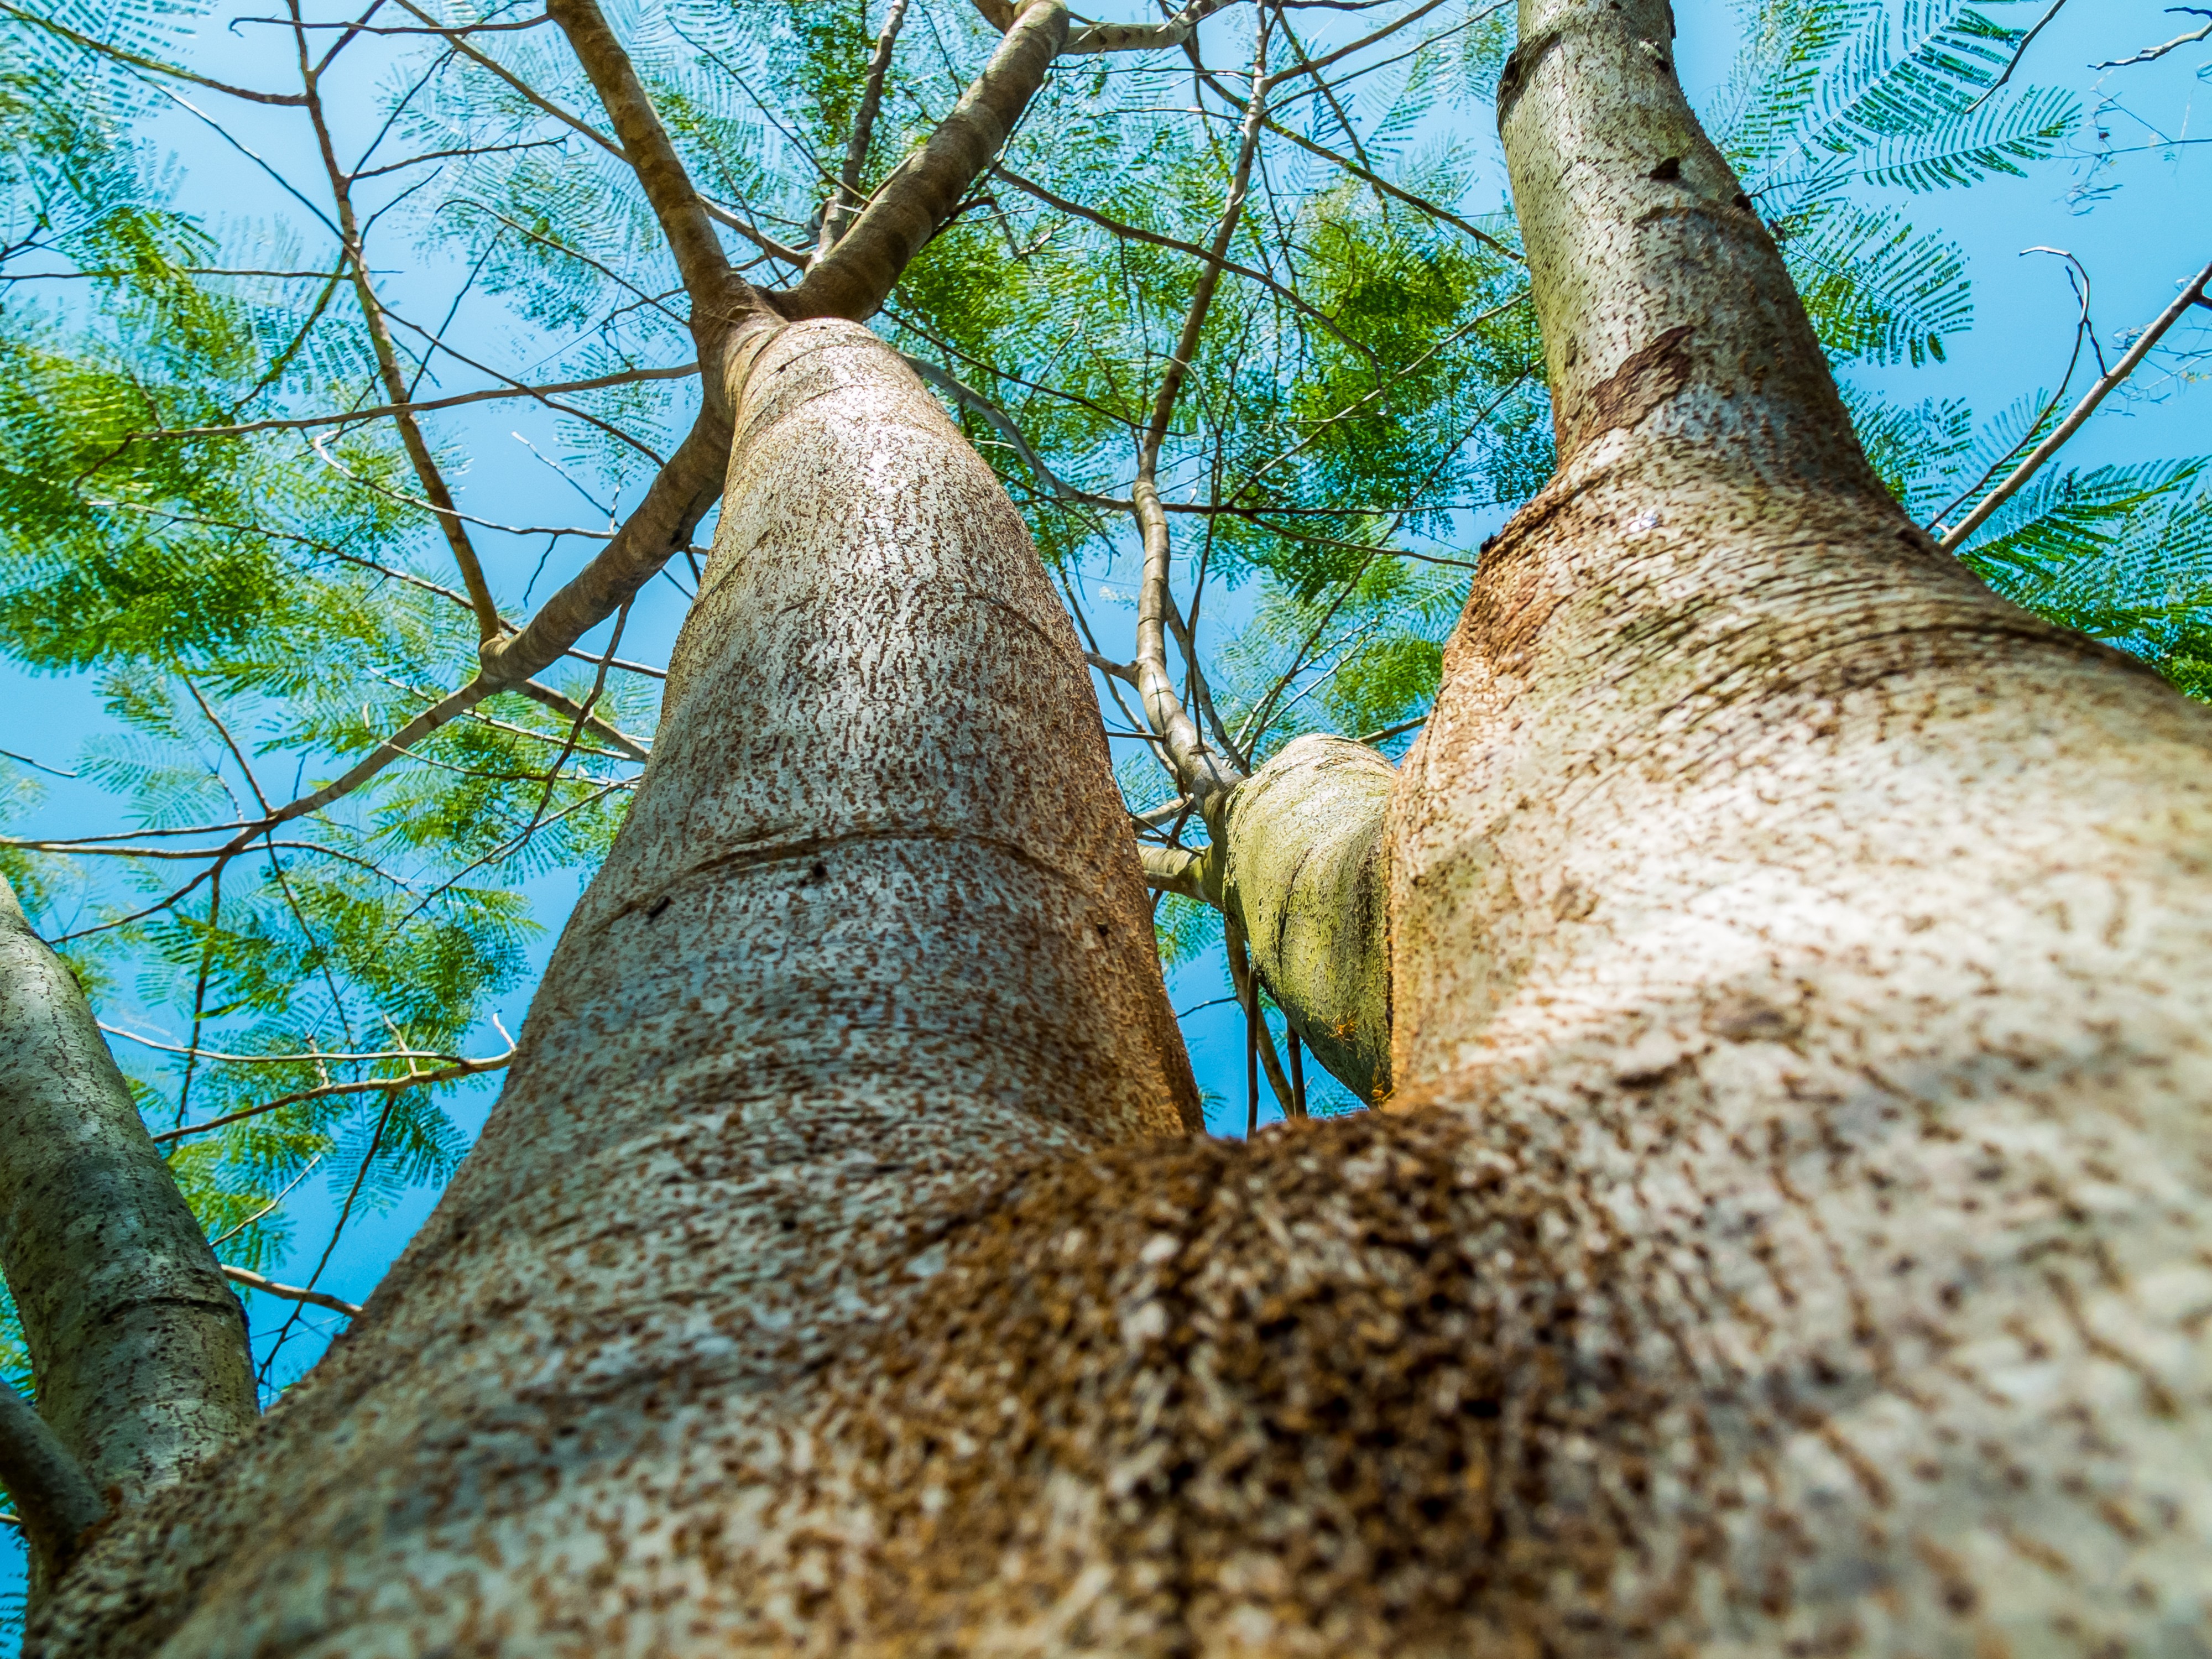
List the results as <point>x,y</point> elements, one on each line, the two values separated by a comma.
<point>138,1345</point>
<point>1816,945</point>
<point>873,926</point>
<point>1794,1240</point>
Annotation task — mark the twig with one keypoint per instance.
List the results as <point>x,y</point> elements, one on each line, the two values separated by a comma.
<point>1953,540</point>
<point>324,1091</point>
<point>489,394</point>
<point>290,1292</point>
<point>2151,54</point>
<point>2026,40</point>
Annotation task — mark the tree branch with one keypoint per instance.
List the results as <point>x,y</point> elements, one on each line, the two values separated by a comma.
<point>1954,538</point>
<point>290,1292</point>
<point>1207,777</point>
<point>489,394</point>
<point>55,1504</point>
<point>1137,233</point>
<point>846,203</point>
<point>529,92</point>
<point>2152,54</point>
<point>138,1345</point>
<point>1146,37</point>
<point>153,64</point>
<point>681,495</point>
<point>328,1091</point>
<point>396,388</point>
<point>717,292</point>
<point>855,279</point>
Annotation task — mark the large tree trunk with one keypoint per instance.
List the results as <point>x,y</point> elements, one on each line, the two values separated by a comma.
<point>874,923</point>
<point>1792,1238</point>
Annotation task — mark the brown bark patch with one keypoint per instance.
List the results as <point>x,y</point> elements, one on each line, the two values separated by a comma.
<point>1652,374</point>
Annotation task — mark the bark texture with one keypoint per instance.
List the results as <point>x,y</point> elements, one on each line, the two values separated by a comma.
<point>1797,1242</point>
<point>137,1344</point>
<point>1307,879</point>
<point>874,922</point>
<point>1817,944</point>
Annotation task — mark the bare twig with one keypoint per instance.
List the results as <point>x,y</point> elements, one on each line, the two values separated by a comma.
<point>350,417</point>
<point>331,1090</point>
<point>1955,537</point>
<point>2026,40</point>
<point>2152,54</point>
<point>290,1292</point>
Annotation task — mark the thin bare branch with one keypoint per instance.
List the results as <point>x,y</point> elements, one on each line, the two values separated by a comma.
<point>528,93</point>
<point>1953,538</point>
<point>1208,777</point>
<point>845,204</point>
<point>489,394</point>
<point>331,1090</point>
<point>290,1292</point>
<point>2152,54</point>
<point>154,65</point>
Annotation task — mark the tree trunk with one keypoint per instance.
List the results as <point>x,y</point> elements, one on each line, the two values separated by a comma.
<point>874,923</point>
<point>1819,944</point>
<point>137,1344</point>
<point>1792,1239</point>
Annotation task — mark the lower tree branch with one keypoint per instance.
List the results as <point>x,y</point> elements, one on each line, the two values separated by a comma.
<point>55,1504</point>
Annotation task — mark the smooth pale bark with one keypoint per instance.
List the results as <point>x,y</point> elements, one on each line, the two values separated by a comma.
<point>137,1344</point>
<point>1305,874</point>
<point>873,924</point>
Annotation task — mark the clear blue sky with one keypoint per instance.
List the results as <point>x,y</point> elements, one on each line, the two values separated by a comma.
<point>2141,221</point>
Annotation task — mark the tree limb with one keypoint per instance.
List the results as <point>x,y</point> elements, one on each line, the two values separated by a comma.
<point>1207,777</point>
<point>718,293</point>
<point>138,1345</point>
<point>327,1090</point>
<point>1147,37</point>
<point>855,279</point>
<point>55,1504</point>
<point>1954,538</point>
<point>290,1292</point>
<point>1137,233</point>
<point>846,203</point>
<point>627,377</point>
<point>2152,54</point>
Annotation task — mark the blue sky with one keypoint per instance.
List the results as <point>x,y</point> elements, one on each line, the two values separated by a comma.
<point>2138,221</point>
